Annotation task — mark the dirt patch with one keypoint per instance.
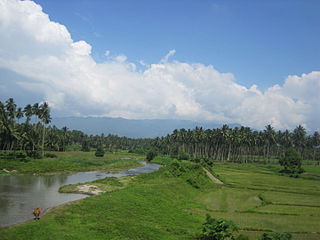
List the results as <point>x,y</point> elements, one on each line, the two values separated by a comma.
<point>89,189</point>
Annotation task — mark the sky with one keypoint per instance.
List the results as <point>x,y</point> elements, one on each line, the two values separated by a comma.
<point>250,62</point>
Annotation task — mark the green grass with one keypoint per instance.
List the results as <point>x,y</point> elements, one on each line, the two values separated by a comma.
<point>72,162</point>
<point>169,204</point>
<point>258,177</point>
<point>289,209</point>
<point>259,198</point>
<point>155,206</point>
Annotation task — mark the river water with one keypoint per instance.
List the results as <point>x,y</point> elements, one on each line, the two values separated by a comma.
<point>19,195</point>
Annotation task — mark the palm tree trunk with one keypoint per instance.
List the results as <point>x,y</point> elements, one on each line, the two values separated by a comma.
<point>43,132</point>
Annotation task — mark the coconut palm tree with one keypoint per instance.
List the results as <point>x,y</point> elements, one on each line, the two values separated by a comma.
<point>44,116</point>
<point>299,137</point>
<point>269,133</point>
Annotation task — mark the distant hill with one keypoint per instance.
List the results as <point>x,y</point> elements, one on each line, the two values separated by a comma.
<point>129,128</point>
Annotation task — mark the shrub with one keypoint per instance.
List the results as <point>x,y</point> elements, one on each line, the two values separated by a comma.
<point>203,160</point>
<point>183,156</point>
<point>276,236</point>
<point>291,162</point>
<point>100,151</point>
<point>193,183</point>
<point>151,155</point>
<point>50,155</point>
<point>176,168</point>
<point>19,156</point>
<point>34,154</point>
<point>218,229</point>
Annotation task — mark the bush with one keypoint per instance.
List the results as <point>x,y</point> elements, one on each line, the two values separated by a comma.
<point>99,152</point>
<point>183,156</point>
<point>50,155</point>
<point>276,236</point>
<point>19,156</point>
<point>203,160</point>
<point>151,155</point>
<point>176,168</point>
<point>34,154</point>
<point>218,229</point>
<point>291,162</point>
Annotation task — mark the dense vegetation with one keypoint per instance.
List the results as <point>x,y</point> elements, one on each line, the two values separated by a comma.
<point>33,135</point>
<point>222,144</point>
<point>240,144</point>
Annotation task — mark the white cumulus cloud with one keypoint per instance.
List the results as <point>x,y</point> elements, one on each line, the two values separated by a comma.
<point>64,71</point>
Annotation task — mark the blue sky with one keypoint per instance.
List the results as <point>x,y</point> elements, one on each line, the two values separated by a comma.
<point>260,42</point>
<point>248,62</point>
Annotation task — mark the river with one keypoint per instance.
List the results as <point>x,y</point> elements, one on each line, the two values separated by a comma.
<point>20,194</point>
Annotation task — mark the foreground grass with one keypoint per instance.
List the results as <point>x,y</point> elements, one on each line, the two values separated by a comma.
<point>169,204</point>
<point>72,162</point>
<point>154,206</point>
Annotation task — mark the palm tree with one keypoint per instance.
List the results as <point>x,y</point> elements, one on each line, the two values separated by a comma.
<point>269,138</point>
<point>28,113</point>
<point>19,113</point>
<point>44,116</point>
<point>299,138</point>
<point>64,138</point>
<point>10,134</point>
<point>11,108</point>
<point>315,142</point>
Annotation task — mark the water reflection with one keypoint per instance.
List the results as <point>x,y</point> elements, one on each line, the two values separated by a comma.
<point>19,195</point>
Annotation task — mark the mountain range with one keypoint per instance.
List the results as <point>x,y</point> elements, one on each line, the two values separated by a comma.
<point>145,128</point>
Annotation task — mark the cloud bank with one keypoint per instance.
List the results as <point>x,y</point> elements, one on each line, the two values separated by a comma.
<point>72,82</point>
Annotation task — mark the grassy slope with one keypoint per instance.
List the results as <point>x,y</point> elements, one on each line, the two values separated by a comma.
<point>159,206</point>
<point>73,161</point>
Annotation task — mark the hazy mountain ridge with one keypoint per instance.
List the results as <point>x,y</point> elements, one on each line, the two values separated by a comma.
<point>146,128</point>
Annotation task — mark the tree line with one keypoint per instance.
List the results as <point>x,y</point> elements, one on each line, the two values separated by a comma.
<point>239,144</point>
<point>16,135</point>
<point>26,129</point>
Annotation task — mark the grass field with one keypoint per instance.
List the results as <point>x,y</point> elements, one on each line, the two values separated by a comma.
<point>73,162</point>
<point>167,204</point>
<point>258,198</point>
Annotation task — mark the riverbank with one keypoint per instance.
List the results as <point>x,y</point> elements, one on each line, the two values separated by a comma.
<point>99,186</point>
<point>106,184</point>
<point>67,162</point>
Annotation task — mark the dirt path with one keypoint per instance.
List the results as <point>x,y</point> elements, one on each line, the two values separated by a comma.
<point>213,178</point>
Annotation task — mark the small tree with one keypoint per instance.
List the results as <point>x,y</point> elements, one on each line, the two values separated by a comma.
<point>291,162</point>
<point>218,229</point>
<point>99,151</point>
<point>151,155</point>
